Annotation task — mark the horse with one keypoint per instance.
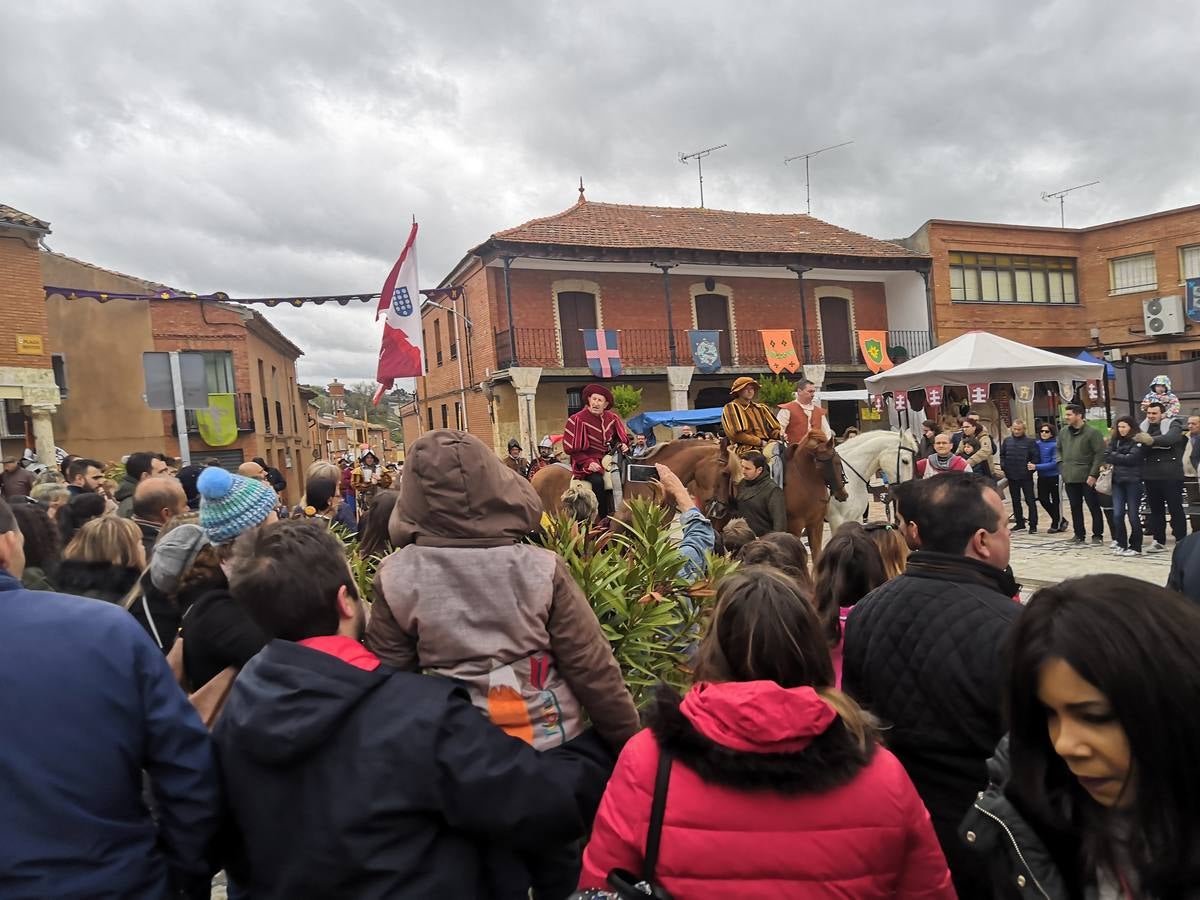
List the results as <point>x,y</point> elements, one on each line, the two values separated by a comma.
<point>812,475</point>
<point>892,452</point>
<point>708,470</point>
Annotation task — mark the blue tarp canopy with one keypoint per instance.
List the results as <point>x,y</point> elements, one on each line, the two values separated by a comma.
<point>643,423</point>
<point>1109,371</point>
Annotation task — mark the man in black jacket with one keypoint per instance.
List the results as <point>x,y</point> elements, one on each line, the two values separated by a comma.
<point>347,778</point>
<point>923,653</point>
<point>1019,456</point>
<point>1163,474</point>
<point>759,500</point>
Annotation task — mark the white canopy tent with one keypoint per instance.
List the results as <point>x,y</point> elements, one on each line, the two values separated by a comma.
<point>979,356</point>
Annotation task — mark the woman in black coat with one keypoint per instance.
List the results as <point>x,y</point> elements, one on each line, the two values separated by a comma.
<point>104,560</point>
<point>1125,453</point>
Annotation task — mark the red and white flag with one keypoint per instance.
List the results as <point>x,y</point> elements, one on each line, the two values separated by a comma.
<point>977,392</point>
<point>900,400</point>
<point>933,395</point>
<point>401,355</point>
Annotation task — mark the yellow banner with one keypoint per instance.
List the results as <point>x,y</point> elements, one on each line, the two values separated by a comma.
<point>218,423</point>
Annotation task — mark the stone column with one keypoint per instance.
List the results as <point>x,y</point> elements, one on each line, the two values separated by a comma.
<point>679,379</point>
<point>525,382</point>
<point>43,433</point>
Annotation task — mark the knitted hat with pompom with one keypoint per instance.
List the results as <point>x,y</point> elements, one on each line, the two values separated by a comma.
<point>231,504</point>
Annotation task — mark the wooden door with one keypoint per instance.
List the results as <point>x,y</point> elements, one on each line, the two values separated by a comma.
<point>712,314</point>
<point>835,330</point>
<point>576,311</point>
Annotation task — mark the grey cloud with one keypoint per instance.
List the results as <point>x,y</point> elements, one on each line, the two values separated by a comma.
<point>281,147</point>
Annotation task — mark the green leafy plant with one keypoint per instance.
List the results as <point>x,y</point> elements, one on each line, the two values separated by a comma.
<point>361,567</point>
<point>626,399</point>
<point>776,390</point>
<point>653,617</point>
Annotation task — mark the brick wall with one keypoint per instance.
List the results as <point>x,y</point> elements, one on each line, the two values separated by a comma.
<point>22,300</point>
<point>1054,325</point>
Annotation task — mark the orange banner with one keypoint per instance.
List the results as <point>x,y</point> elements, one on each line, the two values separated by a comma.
<point>874,350</point>
<point>781,352</point>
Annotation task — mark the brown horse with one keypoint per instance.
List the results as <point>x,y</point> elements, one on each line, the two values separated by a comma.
<point>813,471</point>
<point>708,470</point>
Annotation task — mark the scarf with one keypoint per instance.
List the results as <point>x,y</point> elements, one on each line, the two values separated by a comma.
<point>942,465</point>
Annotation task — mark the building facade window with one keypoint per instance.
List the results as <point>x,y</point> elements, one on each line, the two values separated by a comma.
<point>1002,278</point>
<point>1128,274</point>
<point>218,370</point>
<point>437,339</point>
<point>574,401</point>
<point>445,416</point>
<point>458,423</point>
<point>450,337</point>
<point>429,409</point>
<point>1189,262</point>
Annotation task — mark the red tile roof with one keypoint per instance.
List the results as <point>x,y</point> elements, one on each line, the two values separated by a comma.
<point>16,217</point>
<point>611,225</point>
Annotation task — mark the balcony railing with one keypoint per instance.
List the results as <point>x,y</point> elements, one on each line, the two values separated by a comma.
<point>243,408</point>
<point>652,347</point>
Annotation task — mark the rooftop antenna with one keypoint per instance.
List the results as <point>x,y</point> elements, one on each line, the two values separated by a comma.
<point>1062,196</point>
<point>698,156</point>
<point>808,184</point>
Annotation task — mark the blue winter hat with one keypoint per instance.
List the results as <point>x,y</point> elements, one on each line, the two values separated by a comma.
<point>231,504</point>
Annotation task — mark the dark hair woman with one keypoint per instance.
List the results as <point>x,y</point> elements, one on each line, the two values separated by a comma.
<point>775,776</point>
<point>79,509</point>
<point>41,545</point>
<point>849,568</point>
<point>1099,794</point>
<point>373,538</point>
<point>1125,453</point>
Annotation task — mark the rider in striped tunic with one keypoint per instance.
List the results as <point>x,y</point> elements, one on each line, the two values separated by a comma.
<point>750,425</point>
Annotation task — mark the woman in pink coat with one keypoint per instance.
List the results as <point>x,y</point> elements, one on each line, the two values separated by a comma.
<point>778,786</point>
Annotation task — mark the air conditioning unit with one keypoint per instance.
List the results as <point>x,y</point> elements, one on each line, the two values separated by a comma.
<point>1164,315</point>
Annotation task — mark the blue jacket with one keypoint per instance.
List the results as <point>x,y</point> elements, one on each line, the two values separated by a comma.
<point>87,703</point>
<point>1048,466</point>
<point>698,540</point>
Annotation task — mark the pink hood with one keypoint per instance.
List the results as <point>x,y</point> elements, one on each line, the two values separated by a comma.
<point>757,716</point>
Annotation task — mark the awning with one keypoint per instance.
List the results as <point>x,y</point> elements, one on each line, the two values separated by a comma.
<point>643,423</point>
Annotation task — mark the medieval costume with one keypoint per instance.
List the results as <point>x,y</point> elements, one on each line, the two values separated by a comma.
<point>750,425</point>
<point>514,460</point>
<point>545,457</point>
<point>588,438</point>
<point>797,419</point>
<point>368,477</point>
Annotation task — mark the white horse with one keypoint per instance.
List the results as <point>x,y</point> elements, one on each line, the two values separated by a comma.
<point>892,452</point>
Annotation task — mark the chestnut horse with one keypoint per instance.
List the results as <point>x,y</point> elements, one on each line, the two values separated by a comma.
<point>812,473</point>
<point>708,470</point>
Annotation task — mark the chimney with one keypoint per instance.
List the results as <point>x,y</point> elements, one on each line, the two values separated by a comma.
<point>337,394</point>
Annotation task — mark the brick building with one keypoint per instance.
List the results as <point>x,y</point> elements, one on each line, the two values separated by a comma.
<point>1051,287</point>
<point>101,341</point>
<point>28,387</point>
<point>599,265</point>
<point>341,435</point>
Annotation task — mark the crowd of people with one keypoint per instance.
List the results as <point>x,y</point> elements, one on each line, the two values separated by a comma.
<point>885,721</point>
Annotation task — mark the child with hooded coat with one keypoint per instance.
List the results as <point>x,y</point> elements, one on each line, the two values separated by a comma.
<point>1160,390</point>
<point>463,596</point>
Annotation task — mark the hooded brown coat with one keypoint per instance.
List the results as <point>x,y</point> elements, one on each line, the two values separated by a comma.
<point>463,597</point>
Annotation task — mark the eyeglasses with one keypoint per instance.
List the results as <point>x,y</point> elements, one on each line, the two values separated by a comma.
<point>1045,431</point>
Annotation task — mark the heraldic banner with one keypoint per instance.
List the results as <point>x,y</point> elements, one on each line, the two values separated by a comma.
<point>603,355</point>
<point>873,345</point>
<point>218,422</point>
<point>706,351</point>
<point>781,352</point>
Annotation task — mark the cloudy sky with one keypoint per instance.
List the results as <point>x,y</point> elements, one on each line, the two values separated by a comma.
<point>268,147</point>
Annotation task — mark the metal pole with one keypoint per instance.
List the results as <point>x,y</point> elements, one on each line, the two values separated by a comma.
<point>512,334</point>
<point>800,270</point>
<point>462,385</point>
<point>700,169</point>
<point>666,267</point>
<point>1129,383</point>
<point>185,453</point>
<point>929,308</point>
<point>807,189</point>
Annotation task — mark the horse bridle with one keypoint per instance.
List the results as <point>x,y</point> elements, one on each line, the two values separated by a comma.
<point>900,448</point>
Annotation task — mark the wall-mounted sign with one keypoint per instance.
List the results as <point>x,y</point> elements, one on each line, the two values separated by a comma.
<point>30,345</point>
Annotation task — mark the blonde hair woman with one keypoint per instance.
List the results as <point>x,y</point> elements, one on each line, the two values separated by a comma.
<point>103,560</point>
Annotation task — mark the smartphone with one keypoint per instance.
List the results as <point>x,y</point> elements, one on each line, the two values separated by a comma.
<point>641,473</point>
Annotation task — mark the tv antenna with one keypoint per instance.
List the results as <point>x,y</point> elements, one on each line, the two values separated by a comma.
<point>1062,196</point>
<point>698,156</point>
<point>806,157</point>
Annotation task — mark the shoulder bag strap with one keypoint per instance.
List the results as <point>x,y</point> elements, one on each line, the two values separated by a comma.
<point>658,809</point>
